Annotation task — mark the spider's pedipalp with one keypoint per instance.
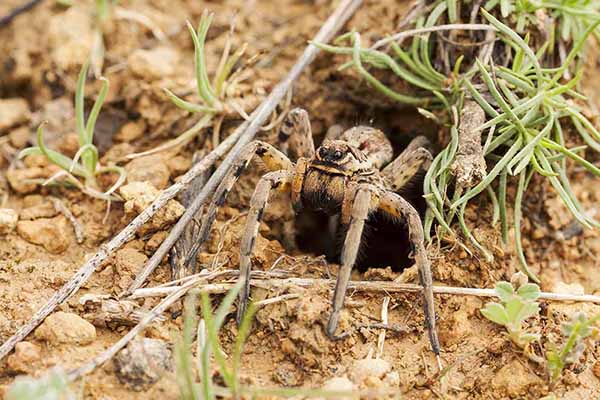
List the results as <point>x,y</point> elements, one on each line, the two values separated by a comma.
<point>273,159</point>
<point>296,134</point>
<point>362,204</point>
<point>407,164</point>
<point>280,180</point>
<point>395,206</point>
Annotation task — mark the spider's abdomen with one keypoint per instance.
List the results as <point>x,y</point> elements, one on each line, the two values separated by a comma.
<point>323,191</point>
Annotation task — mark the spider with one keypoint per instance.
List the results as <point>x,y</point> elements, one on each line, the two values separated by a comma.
<point>343,176</point>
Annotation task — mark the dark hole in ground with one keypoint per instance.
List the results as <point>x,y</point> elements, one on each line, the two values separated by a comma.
<point>384,242</point>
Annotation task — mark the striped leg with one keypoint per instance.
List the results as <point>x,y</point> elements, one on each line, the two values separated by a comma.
<point>280,180</point>
<point>395,206</point>
<point>296,134</point>
<point>407,164</point>
<point>362,205</point>
<point>273,159</point>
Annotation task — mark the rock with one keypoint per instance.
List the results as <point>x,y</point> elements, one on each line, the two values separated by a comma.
<point>139,195</point>
<point>26,353</point>
<point>43,210</point>
<point>142,363</point>
<point>13,112</point>
<point>369,368</point>
<point>151,169</point>
<point>131,131</point>
<point>51,233</point>
<point>514,379</point>
<point>62,327</point>
<point>155,241</point>
<point>154,63</point>
<point>19,137</point>
<point>127,262</point>
<point>70,37</point>
<point>178,165</point>
<point>8,220</point>
<point>21,179</point>
<point>340,384</point>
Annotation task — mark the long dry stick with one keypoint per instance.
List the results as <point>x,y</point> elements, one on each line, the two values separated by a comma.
<point>343,12</point>
<point>246,132</point>
<point>264,282</point>
<point>88,267</point>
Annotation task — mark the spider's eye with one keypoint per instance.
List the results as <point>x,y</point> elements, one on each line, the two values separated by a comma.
<point>337,155</point>
<point>322,152</point>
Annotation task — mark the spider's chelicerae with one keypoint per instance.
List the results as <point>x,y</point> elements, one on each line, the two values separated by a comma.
<point>350,174</point>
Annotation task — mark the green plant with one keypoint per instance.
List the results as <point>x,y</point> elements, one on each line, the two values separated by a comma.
<point>85,164</point>
<point>528,106</point>
<point>52,386</point>
<point>514,308</point>
<point>575,331</point>
<point>214,98</point>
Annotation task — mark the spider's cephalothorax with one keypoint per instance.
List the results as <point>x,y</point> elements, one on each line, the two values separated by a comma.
<point>351,174</point>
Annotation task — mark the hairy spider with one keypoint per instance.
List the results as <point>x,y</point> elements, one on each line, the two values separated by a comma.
<point>341,177</point>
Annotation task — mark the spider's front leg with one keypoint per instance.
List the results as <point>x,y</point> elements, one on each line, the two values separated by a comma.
<point>280,180</point>
<point>407,164</point>
<point>395,206</point>
<point>296,134</point>
<point>362,201</point>
<point>273,159</point>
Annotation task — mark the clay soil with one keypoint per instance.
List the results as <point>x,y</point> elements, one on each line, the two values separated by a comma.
<point>41,53</point>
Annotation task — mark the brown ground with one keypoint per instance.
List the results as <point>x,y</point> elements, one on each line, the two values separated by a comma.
<point>41,54</point>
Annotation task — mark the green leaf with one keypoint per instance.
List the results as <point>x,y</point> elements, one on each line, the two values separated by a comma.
<point>513,308</point>
<point>496,313</point>
<point>529,337</point>
<point>504,290</point>
<point>529,291</point>
<point>526,311</point>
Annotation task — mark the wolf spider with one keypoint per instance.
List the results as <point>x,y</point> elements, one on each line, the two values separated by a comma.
<point>343,176</point>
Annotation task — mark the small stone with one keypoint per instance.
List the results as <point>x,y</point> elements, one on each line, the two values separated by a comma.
<point>13,112</point>
<point>154,63</point>
<point>69,144</point>
<point>179,165</point>
<point>43,210</point>
<point>155,241</point>
<point>20,180</point>
<point>52,233</point>
<point>596,369</point>
<point>142,363</point>
<point>369,367</point>
<point>26,353</point>
<point>62,327</point>
<point>127,263</point>
<point>139,195</point>
<point>514,379</point>
<point>151,169</point>
<point>131,131</point>
<point>19,137</point>
<point>8,220</point>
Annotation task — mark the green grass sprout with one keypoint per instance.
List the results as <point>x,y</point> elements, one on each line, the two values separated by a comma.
<point>214,99</point>
<point>85,164</point>
<point>528,106</point>
<point>575,331</point>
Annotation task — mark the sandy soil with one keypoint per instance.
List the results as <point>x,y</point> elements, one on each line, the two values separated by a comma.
<point>287,345</point>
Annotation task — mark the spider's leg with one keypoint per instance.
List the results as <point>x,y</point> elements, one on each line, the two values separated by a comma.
<point>273,159</point>
<point>362,203</point>
<point>407,164</point>
<point>280,180</point>
<point>395,206</point>
<point>296,134</point>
